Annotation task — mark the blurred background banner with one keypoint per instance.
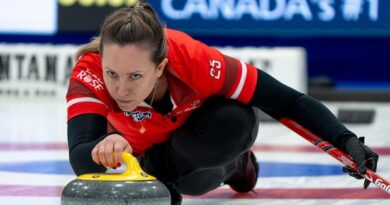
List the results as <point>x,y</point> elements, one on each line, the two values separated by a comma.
<point>277,17</point>
<point>19,17</point>
<point>35,70</point>
<point>84,16</point>
<point>239,17</point>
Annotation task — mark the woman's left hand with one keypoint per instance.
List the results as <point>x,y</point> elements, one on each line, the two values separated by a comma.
<point>363,156</point>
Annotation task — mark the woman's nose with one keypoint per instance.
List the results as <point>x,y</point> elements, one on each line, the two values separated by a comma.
<point>122,90</point>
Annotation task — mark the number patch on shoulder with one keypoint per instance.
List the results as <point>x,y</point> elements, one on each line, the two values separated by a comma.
<point>215,69</point>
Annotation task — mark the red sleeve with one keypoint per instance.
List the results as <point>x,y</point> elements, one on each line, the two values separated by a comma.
<point>86,92</point>
<point>208,70</point>
<point>240,80</point>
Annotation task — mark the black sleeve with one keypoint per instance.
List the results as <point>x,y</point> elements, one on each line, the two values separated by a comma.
<point>84,132</point>
<point>279,100</point>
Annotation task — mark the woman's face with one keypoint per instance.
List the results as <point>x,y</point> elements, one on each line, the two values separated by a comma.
<point>129,74</point>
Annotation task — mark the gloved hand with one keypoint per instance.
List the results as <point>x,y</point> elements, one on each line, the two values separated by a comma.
<point>363,156</point>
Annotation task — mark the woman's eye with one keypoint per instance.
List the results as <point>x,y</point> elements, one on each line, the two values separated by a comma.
<point>111,74</point>
<point>135,76</point>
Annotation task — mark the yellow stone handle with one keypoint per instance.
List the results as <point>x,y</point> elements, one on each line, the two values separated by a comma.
<point>133,172</point>
<point>133,168</point>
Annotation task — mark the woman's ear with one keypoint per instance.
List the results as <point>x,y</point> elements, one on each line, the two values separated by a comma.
<point>161,66</point>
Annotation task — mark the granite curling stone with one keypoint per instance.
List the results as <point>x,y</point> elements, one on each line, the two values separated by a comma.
<point>132,187</point>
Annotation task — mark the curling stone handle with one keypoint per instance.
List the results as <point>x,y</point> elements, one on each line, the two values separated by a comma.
<point>133,172</point>
<point>132,166</point>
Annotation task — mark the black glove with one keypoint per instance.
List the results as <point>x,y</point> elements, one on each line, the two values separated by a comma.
<point>363,156</point>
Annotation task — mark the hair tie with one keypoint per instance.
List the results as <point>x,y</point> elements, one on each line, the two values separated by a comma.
<point>139,7</point>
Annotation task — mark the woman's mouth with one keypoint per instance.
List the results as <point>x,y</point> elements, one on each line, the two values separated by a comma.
<point>124,101</point>
<point>126,105</point>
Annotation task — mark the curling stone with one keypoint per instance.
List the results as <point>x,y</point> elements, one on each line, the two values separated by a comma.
<point>131,187</point>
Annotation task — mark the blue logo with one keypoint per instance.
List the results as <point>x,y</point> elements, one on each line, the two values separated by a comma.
<point>139,116</point>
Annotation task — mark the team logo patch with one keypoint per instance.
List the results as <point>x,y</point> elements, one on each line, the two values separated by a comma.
<point>139,116</point>
<point>91,79</point>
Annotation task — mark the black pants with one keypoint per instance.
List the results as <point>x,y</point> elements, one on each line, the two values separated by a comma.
<point>203,152</point>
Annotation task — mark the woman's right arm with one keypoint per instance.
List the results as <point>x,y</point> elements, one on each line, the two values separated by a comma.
<point>91,148</point>
<point>84,133</point>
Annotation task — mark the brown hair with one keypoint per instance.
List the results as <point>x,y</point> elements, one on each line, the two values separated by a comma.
<point>137,24</point>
